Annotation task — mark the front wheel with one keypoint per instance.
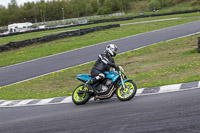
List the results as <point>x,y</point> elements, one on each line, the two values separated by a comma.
<point>82,98</point>
<point>128,93</point>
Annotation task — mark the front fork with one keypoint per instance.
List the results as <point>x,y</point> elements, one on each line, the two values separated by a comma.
<point>122,80</point>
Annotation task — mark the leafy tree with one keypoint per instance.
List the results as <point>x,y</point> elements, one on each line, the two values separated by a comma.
<point>29,12</point>
<point>43,10</point>
<point>124,5</point>
<point>4,15</point>
<point>78,7</point>
<point>101,2</point>
<point>94,5</point>
<point>108,7</point>
<point>13,11</point>
<point>89,9</point>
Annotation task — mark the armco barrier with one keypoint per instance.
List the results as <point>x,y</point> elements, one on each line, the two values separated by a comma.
<point>104,20</point>
<point>14,45</point>
<point>199,44</point>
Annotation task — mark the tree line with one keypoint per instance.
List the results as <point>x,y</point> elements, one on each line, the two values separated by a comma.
<point>63,9</point>
<point>58,9</point>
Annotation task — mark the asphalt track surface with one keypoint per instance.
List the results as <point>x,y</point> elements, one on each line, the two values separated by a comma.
<point>176,112</point>
<point>20,72</point>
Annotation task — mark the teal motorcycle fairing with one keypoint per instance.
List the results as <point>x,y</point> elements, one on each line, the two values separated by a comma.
<point>84,77</point>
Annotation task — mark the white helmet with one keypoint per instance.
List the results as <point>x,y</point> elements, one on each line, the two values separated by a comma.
<point>112,49</point>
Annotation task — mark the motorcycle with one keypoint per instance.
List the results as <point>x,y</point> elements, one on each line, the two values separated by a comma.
<point>115,82</point>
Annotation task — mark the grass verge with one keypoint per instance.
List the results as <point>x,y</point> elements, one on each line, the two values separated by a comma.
<point>172,62</point>
<point>66,44</point>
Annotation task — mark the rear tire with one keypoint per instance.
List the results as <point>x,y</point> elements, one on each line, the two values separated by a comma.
<point>129,93</point>
<point>80,99</point>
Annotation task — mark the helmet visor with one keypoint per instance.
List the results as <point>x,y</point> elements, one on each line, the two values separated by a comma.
<point>115,50</point>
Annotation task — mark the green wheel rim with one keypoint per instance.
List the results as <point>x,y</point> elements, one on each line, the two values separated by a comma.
<point>80,98</point>
<point>126,93</point>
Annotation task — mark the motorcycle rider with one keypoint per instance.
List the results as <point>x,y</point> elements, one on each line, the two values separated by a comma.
<point>103,63</point>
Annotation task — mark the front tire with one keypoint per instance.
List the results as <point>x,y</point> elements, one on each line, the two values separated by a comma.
<point>128,93</point>
<point>79,99</point>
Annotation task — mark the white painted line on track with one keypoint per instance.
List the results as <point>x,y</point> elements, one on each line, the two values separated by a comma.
<point>159,20</point>
<point>185,36</point>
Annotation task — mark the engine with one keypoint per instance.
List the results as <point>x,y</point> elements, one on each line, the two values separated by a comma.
<point>105,85</point>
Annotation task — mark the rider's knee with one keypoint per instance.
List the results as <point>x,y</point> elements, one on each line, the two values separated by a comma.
<point>101,76</point>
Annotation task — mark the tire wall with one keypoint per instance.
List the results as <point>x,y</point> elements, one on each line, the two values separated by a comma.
<point>15,45</point>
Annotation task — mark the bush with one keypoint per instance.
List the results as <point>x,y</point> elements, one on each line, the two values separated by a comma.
<point>154,5</point>
<point>166,3</point>
<point>102,11</point>
<point>195,2</point>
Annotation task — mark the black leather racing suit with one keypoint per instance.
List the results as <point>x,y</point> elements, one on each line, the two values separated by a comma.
<point>103,63</point>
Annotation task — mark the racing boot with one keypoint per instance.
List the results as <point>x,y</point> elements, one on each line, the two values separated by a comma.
<point>90,83</point>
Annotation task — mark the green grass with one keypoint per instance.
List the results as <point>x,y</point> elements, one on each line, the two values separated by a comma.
<point>66,44</point>
<point>142,6</point>
<point>169,62</point>
<point>5,40</point>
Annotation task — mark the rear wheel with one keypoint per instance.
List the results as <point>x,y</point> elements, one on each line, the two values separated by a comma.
<point>82,98</point>
<point>128,93</point>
